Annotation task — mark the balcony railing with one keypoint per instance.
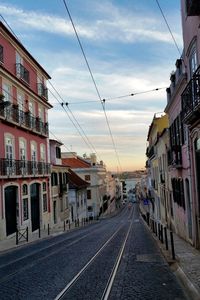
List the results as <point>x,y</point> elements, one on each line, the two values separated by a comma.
<point>22,72</point>
<point>42,91</point>
<point>150,152</point>
<point>193,7</point>
<point>12,167</point>
<point>11,113</point>
<point>191,99</point>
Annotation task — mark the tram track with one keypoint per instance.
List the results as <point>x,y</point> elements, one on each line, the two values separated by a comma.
<point>108,286</point>
<point>27,261</point>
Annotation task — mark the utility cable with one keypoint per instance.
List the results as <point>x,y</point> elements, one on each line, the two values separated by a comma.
<point>93,80</point>
<point>166,22</point>
<point>61,103</point>
<point>119,97</point>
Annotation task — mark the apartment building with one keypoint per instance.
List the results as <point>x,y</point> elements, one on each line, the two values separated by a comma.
<point>155,167</point>
<point>24,159</point>
<point>95,174</point>
<point>190,106</point>
<point>59,185</point>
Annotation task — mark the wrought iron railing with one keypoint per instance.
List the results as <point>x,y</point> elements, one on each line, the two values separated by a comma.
<point>42,91</point>
<point>13,167</point>
<point>191,95</point>
<point>22,72</point>
<point>11,113</point>
<point>150,152</point>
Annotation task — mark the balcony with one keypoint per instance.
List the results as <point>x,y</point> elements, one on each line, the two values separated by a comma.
<point>13,168</point>
<point>150,152</point>
<point>193,7</point>
<point>42,91</point>
<point>191,100</point>
<point>22,73</point>
<point>10,113</point>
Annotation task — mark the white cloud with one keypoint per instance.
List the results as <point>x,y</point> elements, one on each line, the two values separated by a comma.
<point>123,26</point>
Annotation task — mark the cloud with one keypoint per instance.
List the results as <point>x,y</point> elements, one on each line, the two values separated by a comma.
<point>118,25</point>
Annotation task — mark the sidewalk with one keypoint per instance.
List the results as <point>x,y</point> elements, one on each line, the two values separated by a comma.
<point>10,243</point>
<point>186,266</point>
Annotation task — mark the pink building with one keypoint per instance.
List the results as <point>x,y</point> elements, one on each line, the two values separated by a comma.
<point>24,159</point>
<point>183,108</point>
<point>190,98</point>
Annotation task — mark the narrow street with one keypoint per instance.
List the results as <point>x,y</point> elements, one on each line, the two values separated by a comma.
<point>115,258</point>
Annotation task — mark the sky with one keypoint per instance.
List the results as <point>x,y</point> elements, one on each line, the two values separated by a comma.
<point>129,50</point>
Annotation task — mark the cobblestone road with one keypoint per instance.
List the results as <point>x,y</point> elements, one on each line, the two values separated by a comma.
<point>42,270</point>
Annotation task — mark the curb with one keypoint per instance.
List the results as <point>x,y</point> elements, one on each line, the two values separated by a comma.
<point>192,293</point>
<point>190,290</point>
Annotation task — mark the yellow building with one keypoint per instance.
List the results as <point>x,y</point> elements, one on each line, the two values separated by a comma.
<point>157,165</point>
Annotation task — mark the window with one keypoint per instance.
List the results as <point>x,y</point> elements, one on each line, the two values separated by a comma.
<point>31,107</point>
<point>44,187</point>
<point>22,155</point>
<point>20,102</point>
<point>87,177</point>
<point>24,190</point>
<point>65,178</point>
<point>61,204</point>
<point>88,194</point>
<point>178,192</point>
<point>34,157</point>
<point>44,202</point>
<point>54,179</point>
<point>7,92</point>
<point>21,71</point>
<point>25,209</point>
<point>193,60</point>
<point>89,208</point>
<point>1,53</point>
<point>42,153</point>
<point>9,155</point>
<point>58,152</point>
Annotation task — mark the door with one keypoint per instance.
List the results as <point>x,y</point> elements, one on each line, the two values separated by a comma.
<point>11,209</point>
<point>54,212</point>
<point>197,148</point>
<point>9,156</point>
<point>35,206</point>
<point>189,209</point>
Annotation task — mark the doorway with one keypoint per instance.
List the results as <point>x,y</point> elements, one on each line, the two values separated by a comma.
<point>11,209</point>
<point>35,205</point>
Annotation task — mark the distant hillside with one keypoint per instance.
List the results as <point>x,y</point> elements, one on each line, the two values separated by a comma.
<point>134,174</point>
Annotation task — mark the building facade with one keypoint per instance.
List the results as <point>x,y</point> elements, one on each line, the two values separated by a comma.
<point>78,210</point>
<point>154,165</point>
<point>190,105</point>
<point>24,159</point>
<point>95,174</point>
<point>59,186</point>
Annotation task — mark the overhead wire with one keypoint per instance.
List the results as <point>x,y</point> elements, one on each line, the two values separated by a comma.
<point>23,121</point>
<point>170,31</point>
<point>119,97</point>
<point>85,138</point>
<point>94,82</point>
<point>83,135</point>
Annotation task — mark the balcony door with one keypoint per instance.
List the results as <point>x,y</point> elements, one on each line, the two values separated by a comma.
<point>35,205</point>
<point>9,149</point>
<point>11,209</point>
